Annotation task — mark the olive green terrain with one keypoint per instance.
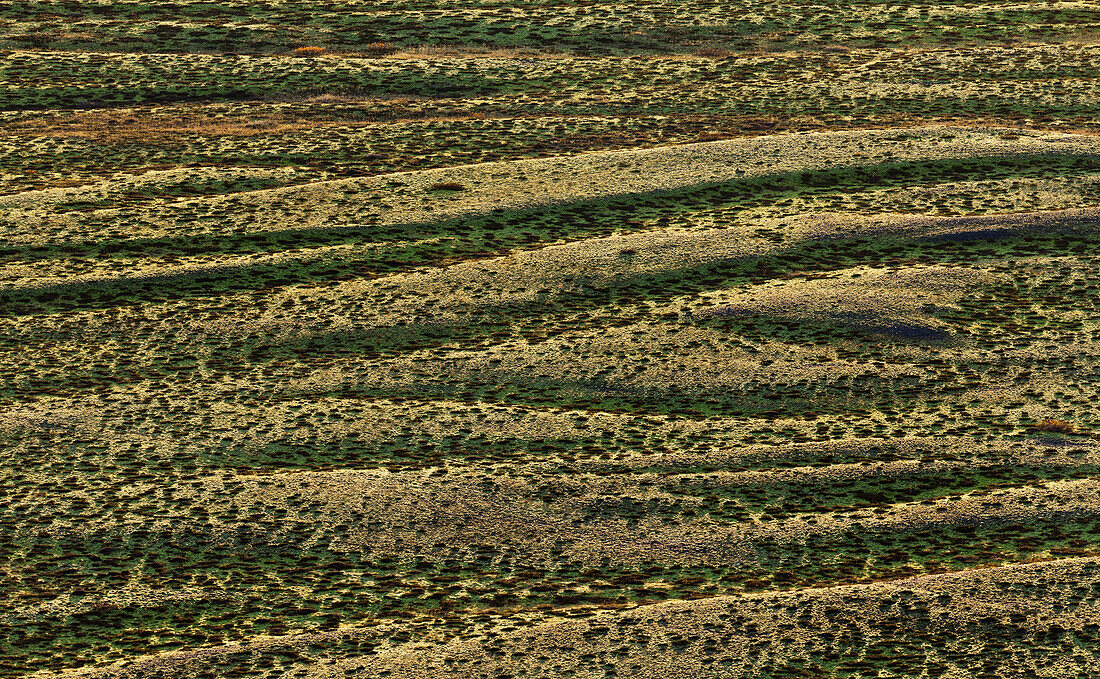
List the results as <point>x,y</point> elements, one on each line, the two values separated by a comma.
<point>649,26</point>
<point>549,339</point>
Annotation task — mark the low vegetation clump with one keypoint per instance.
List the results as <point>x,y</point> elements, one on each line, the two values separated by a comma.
<point>1054,425</point>
<point>308,51</point>
<point>448,186</point>
<point>380,47</point>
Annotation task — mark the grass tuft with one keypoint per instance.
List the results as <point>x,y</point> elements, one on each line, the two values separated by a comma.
<point>447,186</point>
<point>1054,425</point>
<point>380,48</point>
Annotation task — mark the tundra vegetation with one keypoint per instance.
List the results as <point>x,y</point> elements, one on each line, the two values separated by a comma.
<point>532,339</point>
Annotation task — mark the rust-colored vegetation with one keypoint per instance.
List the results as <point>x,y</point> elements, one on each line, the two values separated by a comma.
<point>1055,425</point>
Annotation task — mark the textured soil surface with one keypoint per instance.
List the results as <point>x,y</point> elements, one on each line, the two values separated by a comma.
<point>534,339</point>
